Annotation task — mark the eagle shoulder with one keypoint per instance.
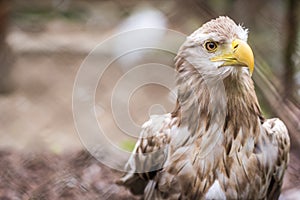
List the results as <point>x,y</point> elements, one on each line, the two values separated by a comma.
<point>149,154</point>
<point>278,133</point>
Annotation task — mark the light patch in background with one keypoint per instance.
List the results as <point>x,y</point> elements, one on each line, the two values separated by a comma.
<point>106,136</point>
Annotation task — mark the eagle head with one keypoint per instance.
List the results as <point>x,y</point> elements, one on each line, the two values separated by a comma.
<point>219,47</point>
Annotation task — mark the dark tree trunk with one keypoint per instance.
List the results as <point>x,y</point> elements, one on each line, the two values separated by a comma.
<point>290,48</point>
<point>6,56</point>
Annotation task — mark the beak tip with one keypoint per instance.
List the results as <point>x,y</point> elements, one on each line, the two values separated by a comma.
<point>243,53</point>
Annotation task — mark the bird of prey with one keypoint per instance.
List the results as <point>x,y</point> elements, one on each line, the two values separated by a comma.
<point>215,144</point>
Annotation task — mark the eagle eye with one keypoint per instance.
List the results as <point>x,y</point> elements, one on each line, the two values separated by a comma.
<point>211,46</point>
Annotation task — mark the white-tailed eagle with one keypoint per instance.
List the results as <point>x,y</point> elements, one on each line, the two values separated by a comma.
<point>215,144</point>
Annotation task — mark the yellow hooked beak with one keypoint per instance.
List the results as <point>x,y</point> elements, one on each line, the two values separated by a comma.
<point>238,54</point>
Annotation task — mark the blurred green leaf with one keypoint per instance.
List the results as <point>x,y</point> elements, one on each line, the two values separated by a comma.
<point>128,145</point>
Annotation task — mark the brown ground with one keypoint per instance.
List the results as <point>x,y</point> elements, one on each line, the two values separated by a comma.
<point>49,176</point>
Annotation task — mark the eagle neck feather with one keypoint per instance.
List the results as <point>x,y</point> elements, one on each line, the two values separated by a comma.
<point>201,102</point>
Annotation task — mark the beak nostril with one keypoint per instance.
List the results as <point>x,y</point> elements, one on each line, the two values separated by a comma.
<point>236,46</point>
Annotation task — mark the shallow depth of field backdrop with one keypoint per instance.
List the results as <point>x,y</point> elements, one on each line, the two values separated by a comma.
<point>43,44</point>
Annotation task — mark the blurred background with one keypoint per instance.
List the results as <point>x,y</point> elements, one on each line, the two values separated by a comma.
<point>43,44</point>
